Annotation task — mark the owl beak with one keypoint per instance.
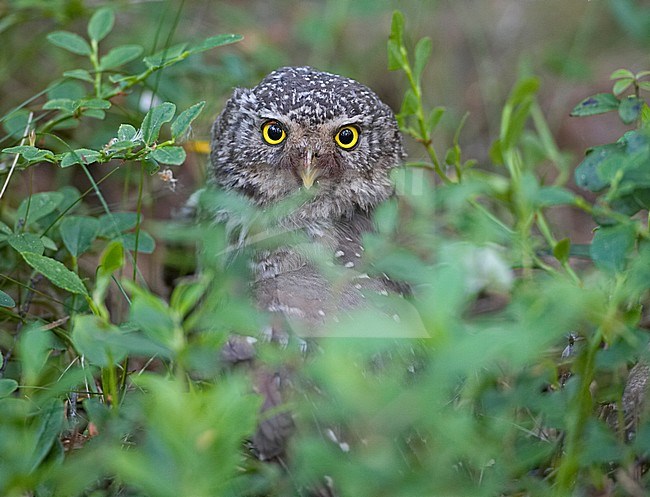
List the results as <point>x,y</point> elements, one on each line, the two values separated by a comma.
<point>309,173</point>
<point>308,176</point>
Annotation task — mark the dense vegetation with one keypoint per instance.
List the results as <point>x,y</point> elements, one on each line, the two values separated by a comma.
<point>504,376</point>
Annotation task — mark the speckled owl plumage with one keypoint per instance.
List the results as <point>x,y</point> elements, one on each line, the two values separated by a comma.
<point>311,107</point>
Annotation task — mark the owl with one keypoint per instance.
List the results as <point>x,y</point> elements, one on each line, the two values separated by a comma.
<point>302,131</point>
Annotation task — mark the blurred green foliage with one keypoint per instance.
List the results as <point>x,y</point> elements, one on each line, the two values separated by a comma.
<point>113,385</point>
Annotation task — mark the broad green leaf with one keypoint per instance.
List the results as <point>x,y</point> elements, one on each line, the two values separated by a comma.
<point>187,294</point>
<point>169,155</point>
<point>6,301</point>
<point>100,342</point>
<point>80,156</point>
<point>56,272</point>
<point>26,242</point>
<point>112,258</point>
<point>156,319</point>
<point>7,386</point>
<point>630,109</point>
<point>34,348</point>
<point>111,225</point>
<point>64,104</point>
<point>562,250</point>
<point>184,119</point>
<point>49,424</point>
<point>15,123</point>
<point>101,23</point>
<point>95,103</point>
<point>154,120</point>
<point>31,154</point>
<point>621,85</point>
<point>119,56</point>
<point>151,166</point>
<point>48,243</point>
<point>422,53</point>
<point>587,174</point>
<point>69,41</point>
<point>622,73</point>
<point>547,196</point>
<point>94,113</point>
<point>215,41</point>
<point>126,132</point>
<point>78,233</point>
<point>81,74</point>
<point>612,245</point>
<point>596,104</point>
<point>165,56</point>
<point>38,206</point>
<point>145,242</point>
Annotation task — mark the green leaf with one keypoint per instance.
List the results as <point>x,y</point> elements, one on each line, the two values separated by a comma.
<point>7,386</point>
<point>78,233</point>
<point>26,242</point>
<point>154,120</point>
<point>112,259</point>
<point>396,52</point>
<point>645,85</point>
<point>622,73</point>
<point>6,301</point>
<point>434,118</point>
<point>119,56</point>
<point>34,348</point>
<point>169,155</point>
<point>80,156</point>
<point>49,424</point>
<point>215,41</point>
<point>621,85</point>
<point>630,109</point>
<point>547,196</point>
<point>612,245</point>
<point>101,23</point>
<point>64,104</point>
<point>165,56</point>
<point>422,53</point>
<point>155,319</point>
<point>56,272</point>
<point>95,103</point>
<point>31,154</point>
<point>562,250</point>
<point>409,104</point>
<point>587,174</point>
<point>596,104</point>
<point>38,206</point>
<point>81,74</point>
<point>69,41</point>
<point>111,225</point>
<point>145,242</point>
<point>99,341</point>
<point>126,132</point>
<point>185,118</point>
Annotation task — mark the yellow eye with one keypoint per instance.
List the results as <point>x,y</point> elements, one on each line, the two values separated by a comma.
<point>347,137</point>
<point>273,132</point>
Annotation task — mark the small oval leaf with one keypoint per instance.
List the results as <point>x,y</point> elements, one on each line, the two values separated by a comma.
<point>6,301</point>
<point>26,242</point>
<point>78,233</point>
<point>56,272</point>
<point>101,23</point>
<point>154,120</point>
<point>69,41</point>
<point>185,118</point>
<point>596,104</point>
<point>174,156</point>
<point>119,56</point>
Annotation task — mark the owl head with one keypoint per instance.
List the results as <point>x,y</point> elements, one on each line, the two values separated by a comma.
<point>305,129</point>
